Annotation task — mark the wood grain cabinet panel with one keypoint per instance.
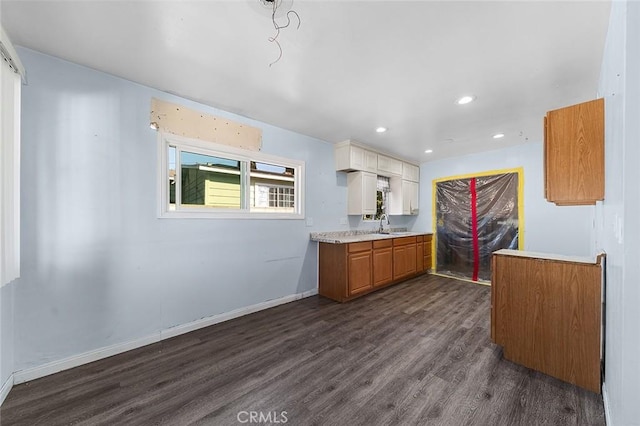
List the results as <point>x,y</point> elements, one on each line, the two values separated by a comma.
<point>351,270</point>
<point>574,154</point>
<point>360,272</point>
<point>428,239</point>
<point>547,316</point>
<point>382,266</point>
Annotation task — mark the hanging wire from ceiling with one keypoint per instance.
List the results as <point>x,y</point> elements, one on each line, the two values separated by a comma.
<point>275,6</point>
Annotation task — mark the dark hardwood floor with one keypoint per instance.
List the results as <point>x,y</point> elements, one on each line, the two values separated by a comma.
<point>418,353</point>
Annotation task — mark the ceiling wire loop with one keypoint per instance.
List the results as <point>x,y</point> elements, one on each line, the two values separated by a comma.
<point>276,4</point>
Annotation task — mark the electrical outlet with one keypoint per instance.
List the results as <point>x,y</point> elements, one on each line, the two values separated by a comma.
<point>309,221</point>
<point>343,221</point>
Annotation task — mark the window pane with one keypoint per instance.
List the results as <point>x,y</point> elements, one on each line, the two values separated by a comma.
<point>209,181</point>
<point>272,188</point>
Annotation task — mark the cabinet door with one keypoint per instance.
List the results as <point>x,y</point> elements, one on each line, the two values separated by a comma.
<point>356,158</point>
<point>410,197</point>
<point>359,272</point>
<point>420,257</point>
<point>388,166</point>
<point>574,154</point>
<point>410,172</point>
<point>399,262</point>
<point>382,266</point>
<point>370,161</point>
<point>411,260</point>
<point>362,192</point>
<point>427,252</point>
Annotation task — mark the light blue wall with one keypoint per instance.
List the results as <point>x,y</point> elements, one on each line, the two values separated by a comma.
<point>98,267</point>
<point>6,332</point>
<point>548,228</point>
<point>618,227</point>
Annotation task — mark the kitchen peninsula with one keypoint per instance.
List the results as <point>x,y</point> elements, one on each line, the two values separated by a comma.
<point>354,263</point>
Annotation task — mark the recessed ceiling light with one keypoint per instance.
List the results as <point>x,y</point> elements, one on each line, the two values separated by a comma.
<point>466,99</point>
<point>381,129</point>
<point>428,151</point>
<point>498,135</point>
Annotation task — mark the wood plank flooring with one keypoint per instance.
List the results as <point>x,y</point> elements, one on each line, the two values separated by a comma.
<point>418,353</point>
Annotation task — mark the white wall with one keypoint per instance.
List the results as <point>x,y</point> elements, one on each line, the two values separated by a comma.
<point>548,228</point>
<point>617,222</point>
<point>98,267</point>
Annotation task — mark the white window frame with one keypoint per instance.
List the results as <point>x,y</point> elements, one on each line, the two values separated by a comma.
<point>12,76</point>
<point>217,150</point>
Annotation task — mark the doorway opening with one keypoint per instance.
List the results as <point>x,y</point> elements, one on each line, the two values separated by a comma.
<point>475,215</point>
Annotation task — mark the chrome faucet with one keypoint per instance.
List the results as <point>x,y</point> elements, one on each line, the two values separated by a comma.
<point>383,216</point>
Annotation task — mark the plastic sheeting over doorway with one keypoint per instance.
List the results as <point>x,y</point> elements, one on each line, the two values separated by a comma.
<point>475,216</point>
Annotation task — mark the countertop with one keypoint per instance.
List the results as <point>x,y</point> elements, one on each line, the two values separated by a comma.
<point>550,256</point>
<point>345,237</point>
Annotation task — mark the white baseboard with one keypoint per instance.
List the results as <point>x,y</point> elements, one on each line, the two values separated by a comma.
<point>6,387</point>
<point>206,322</point>
<point>107,351</point>
<point>605,400</point>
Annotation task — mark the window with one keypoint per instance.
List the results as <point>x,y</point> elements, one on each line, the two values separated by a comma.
<point>383,190</point>
<point>11,71</point>
<point>203,179</point>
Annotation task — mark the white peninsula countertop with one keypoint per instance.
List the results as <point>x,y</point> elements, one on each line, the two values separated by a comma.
<point>550,256</point>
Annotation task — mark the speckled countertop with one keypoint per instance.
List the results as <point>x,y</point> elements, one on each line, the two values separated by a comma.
<point>343,237</point>
<point>551,256</point>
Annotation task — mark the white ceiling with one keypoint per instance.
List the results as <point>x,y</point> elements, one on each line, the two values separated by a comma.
<point>351,66</point>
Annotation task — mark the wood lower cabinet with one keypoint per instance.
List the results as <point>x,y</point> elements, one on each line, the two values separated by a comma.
<point>546,314</point>
<point>347,271</point>
<point>382,262</point>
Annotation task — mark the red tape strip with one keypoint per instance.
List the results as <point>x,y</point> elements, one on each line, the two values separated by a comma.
<point>474,229</point>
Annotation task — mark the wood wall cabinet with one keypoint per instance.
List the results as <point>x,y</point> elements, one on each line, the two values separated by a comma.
<point>347,271</point>
<point>546,313</point>
<point>574,154</point>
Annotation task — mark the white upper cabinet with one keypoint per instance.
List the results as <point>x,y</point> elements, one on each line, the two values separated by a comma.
<point>362,193</point>
<point>410,172</point>
<point>351,157</point>
<point>403,198</point>
<point>364,166</point>
<point>388,166</point>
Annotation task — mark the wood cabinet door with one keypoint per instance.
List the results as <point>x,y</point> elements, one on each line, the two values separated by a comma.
<point>382,266</point>
<point>411,264</point>
<point>420,257</point>
<point>399,262</point>
<point>574,154</point>
<point>427,251</point>
<point>359,272</point>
